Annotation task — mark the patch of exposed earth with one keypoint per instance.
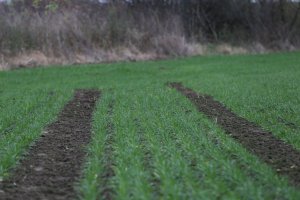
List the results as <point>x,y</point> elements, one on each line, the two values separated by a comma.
<point>54,163</point>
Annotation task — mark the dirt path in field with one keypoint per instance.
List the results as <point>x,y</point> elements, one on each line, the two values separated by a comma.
<point>284,159</point>
<point>107,191</point>
<point>53,164</point>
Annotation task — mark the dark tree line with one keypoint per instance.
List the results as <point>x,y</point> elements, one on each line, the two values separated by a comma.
<point>266,21</point>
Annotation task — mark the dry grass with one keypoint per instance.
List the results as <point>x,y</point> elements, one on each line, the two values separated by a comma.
<point>74,35</point>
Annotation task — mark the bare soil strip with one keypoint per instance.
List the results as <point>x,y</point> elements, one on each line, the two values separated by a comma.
<point>148,162</point>
<point>284,159</point>
<point>53,164</point>
<point>107,190</point>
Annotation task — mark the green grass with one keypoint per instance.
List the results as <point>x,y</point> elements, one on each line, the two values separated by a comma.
<point>190,157</point>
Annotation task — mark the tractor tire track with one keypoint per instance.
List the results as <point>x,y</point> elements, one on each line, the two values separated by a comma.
<point>53,164</point>
<point>282,157</point>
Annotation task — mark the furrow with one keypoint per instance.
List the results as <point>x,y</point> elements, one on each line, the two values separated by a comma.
<point>282,157</point>
<point>52,166</point>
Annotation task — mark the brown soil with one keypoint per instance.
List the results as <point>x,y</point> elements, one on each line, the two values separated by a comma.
<point>107,190</point>
<point>282,157</point>
<point>53,164</point>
